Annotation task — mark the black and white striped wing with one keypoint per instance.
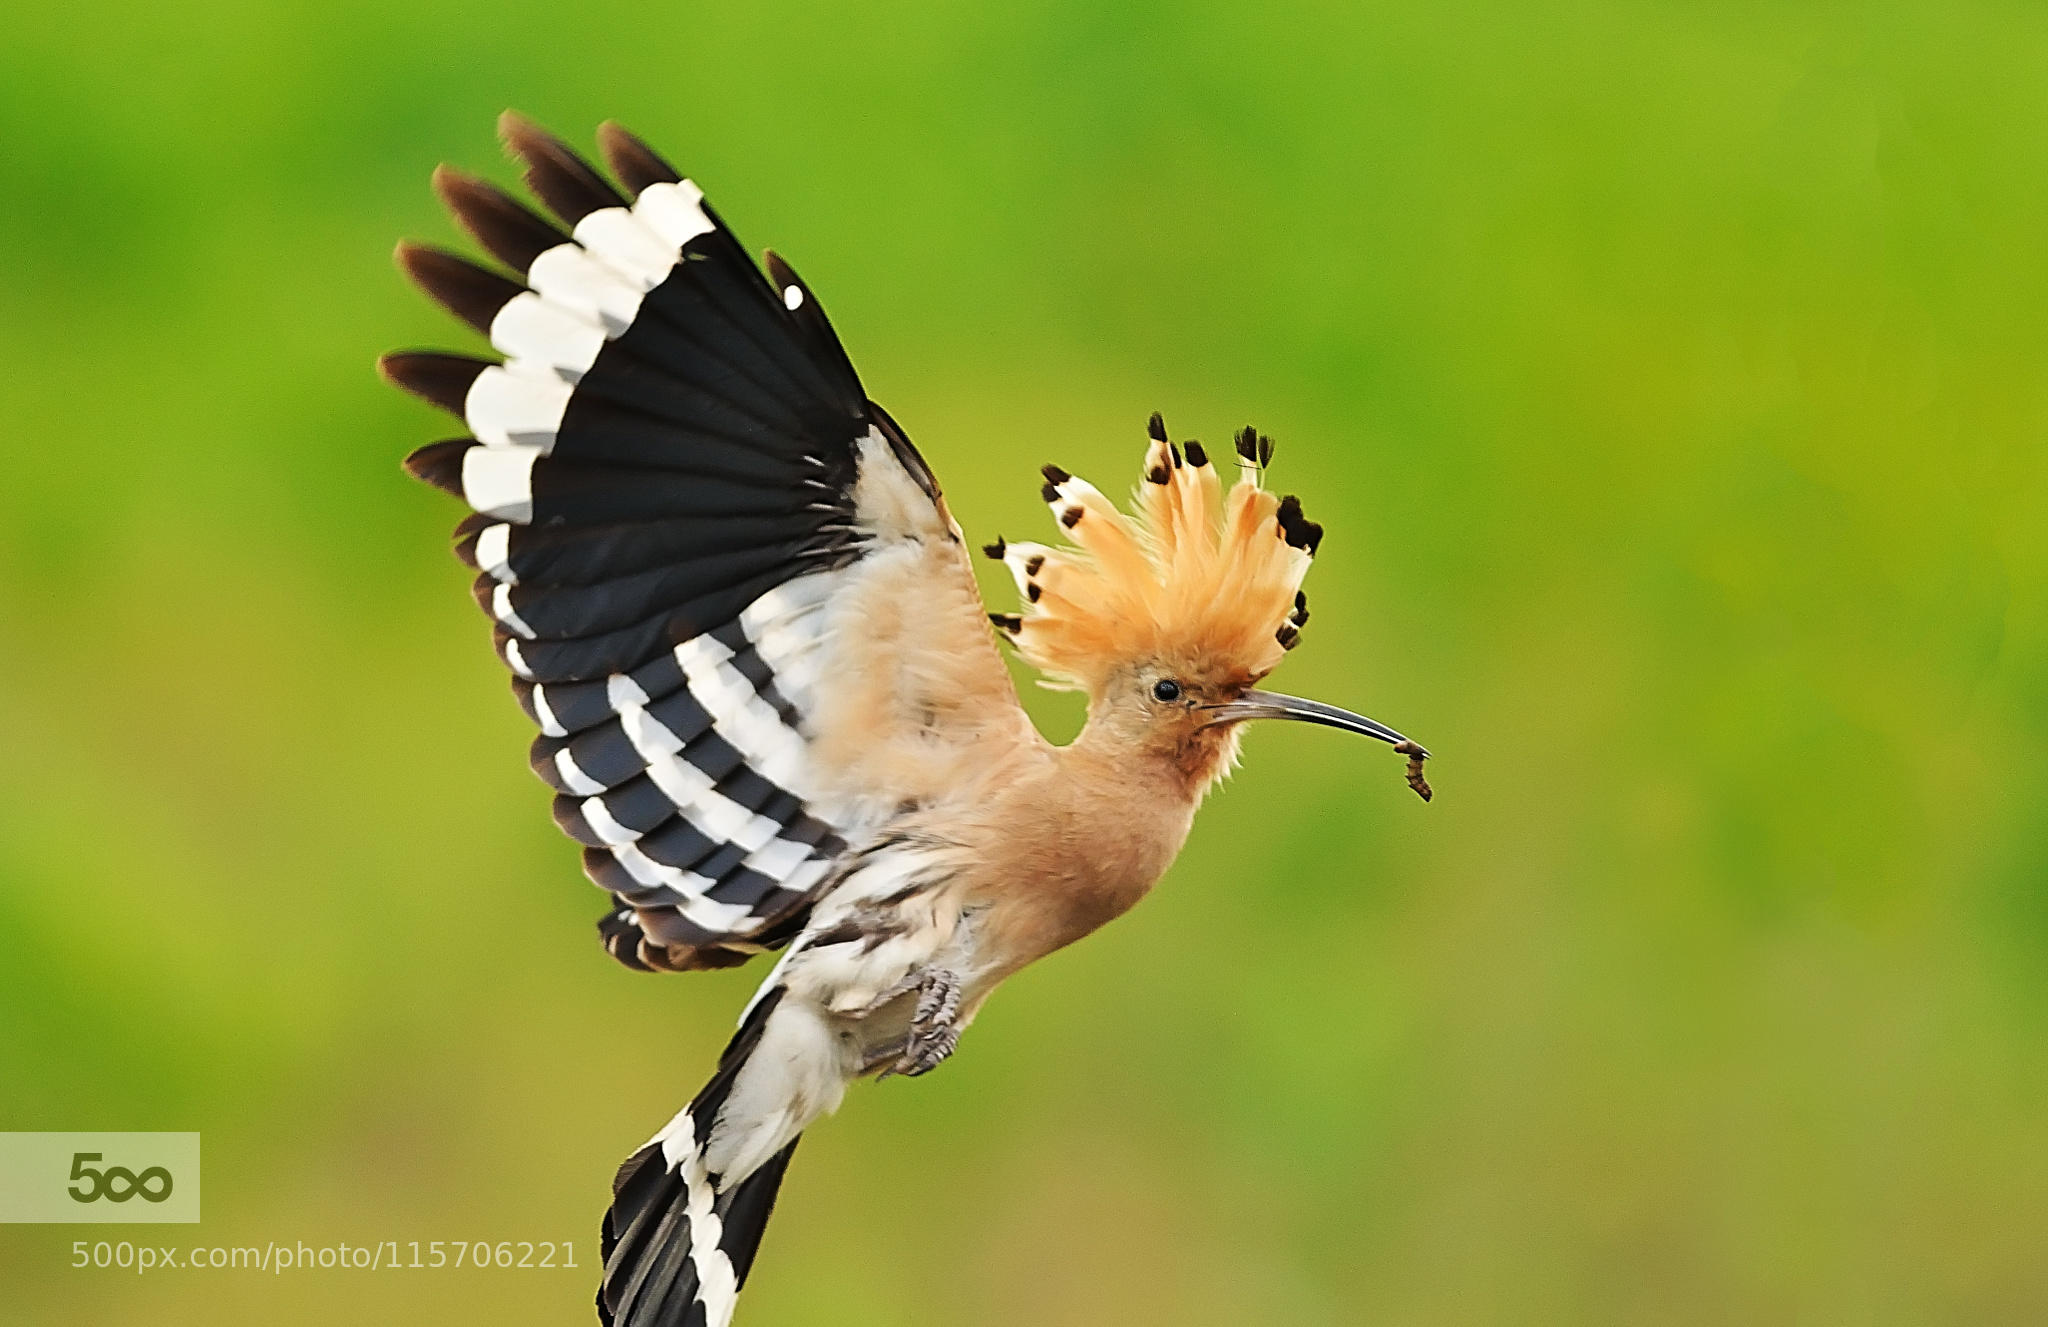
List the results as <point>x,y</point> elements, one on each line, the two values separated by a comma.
<point>661,470</point>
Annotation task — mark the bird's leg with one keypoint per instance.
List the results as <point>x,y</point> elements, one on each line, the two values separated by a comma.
<point>934,1027</point>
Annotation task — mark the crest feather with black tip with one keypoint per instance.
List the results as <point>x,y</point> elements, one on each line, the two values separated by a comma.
<point>1192,571</point>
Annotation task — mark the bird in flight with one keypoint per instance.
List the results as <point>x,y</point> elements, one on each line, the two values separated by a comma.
<point>771,704</point>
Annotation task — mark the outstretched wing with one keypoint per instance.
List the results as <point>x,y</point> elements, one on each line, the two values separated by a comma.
<point>724,581</point>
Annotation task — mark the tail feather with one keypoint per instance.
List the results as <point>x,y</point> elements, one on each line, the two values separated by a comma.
<point>677,1249</point>
<point>681,1259</point>
<point>746,1216</point>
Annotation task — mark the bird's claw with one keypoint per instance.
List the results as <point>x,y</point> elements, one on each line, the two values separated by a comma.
<point>933,1029</point>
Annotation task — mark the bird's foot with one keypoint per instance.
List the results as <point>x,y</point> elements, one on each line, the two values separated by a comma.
<point>934,1031</point>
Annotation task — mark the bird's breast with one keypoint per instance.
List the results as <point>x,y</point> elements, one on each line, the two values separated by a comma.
<point>1055,866</point>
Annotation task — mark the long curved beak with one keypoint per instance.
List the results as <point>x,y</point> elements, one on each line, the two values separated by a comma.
<point>1273,705</point>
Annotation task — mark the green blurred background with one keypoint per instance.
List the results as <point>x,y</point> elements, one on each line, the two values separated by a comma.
<point>1670,378</point>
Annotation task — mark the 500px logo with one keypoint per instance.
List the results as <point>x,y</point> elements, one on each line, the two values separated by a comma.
<point>97,1178</point>
<point>117,1184</point>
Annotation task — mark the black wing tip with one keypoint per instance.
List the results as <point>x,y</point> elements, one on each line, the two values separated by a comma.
<point>465,551</point>
<point>510,230</point>
<point>797,298</point>
<point>636,164</point>
<point>437,378</point>
<point>472,293</point>
<point>451,182</point>
<point>524,138</point>
<point>784,277</point>
<point>440,464</point>
<point>558,177</point>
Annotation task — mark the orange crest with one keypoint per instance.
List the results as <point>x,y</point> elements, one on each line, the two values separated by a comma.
<point>1196,575</point>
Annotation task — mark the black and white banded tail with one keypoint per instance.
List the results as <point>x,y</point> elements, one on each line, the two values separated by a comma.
<point>679,1240</point>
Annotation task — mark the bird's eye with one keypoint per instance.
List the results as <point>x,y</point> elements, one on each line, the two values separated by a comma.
<point>1166,689</point>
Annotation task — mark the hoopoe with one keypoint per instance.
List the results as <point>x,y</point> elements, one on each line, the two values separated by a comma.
<point>770,702</point>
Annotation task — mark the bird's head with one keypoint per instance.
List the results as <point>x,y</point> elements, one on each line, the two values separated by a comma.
<point>1169,617</point>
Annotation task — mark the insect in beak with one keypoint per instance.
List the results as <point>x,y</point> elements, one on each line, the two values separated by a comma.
<point>1273,705</point>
